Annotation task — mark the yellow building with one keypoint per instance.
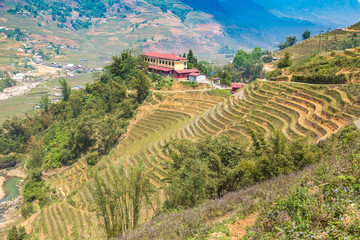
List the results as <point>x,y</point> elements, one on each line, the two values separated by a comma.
<point>166,60</point>
<point>168,64</point>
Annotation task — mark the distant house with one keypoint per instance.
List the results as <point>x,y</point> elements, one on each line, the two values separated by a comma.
<point>168,64</point>
<point>70,67</point>
<point>39,59</point>
<point>197,77</point>
<point>19,77</point>
<point>236,86</point>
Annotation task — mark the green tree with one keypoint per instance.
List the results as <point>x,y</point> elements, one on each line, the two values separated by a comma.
<point>45,103</point>
<point>141,83</point>
<point>285,62</point>
<point>240,58</point>
<point>36,153</point>
<point>226,78</point>
<point>65,89</point>
<point>306,35</point>
<point>191,58</point>
<point>291,40</point>
<point>282,46</point>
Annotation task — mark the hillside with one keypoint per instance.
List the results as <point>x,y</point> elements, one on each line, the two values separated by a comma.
<point>146,25</point>
<point>323,43</point>
<point>296,110</point>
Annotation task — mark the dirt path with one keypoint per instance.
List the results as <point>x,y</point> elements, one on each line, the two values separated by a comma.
<point>238,229</point>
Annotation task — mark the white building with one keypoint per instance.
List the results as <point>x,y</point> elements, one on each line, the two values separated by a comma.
<point>19,77</point>
<point>197,77</point>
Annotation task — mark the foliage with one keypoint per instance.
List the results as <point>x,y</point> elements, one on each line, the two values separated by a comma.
<point>166,83</point>
<point>197,220</point>
<point>338,68</point>
<point>79,24</point>
<point>121,195</point>
<point>306,35</point>
<point>6,81</point>
<point>16,233</point>
<point>8,161</point>
<point>45,103</point>
<point>212,167</point>
<point>351,42</point>
<point>324,205</point>
<point>141,83</point>
<point>94,117</point>
<point>290,41</point>
<point>65,89</point>
<point>92,158</point>
<point>189,84</point>
<point>321,78</point>
<point>251,64</point>
<point>35,189</point>
<point>285,62</point>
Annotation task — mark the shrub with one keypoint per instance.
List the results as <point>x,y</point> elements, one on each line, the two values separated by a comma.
<point>92,158</point>
<point>189,84</point>
<point>281,78</point>
<point>285,62</point>
<point>321,78</point>
<point>27,210</point>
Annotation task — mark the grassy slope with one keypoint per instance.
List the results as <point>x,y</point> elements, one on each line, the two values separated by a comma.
<point>315,111</point>
<point>309,47</point>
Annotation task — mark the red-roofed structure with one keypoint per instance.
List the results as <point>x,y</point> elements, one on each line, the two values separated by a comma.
<point>164,56</point>
<point>236,86</point>
<point>168,64</point>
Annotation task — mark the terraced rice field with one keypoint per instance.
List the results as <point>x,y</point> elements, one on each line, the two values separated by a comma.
<point>297,110</point>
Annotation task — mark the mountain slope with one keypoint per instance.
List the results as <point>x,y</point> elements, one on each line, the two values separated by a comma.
<point>297,110</point>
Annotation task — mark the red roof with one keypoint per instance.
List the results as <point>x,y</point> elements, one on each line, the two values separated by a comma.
<point>161,68</point>
<point>237,85</point>
<point>194,74</point>
<point>194,70</point>
<point>164,55</point>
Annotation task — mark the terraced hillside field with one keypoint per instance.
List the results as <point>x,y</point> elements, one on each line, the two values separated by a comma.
<point>295,109</point>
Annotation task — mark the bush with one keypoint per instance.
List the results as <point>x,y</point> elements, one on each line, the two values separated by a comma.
<point>281,78</point>
<point>27,210</point>
<point>189,84</point>
<point>92,158</point>
<point>8,161</point>
<point>274,74</point>
<point>321,78</point>
<point>285,62</point>
<point>16,233</point>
